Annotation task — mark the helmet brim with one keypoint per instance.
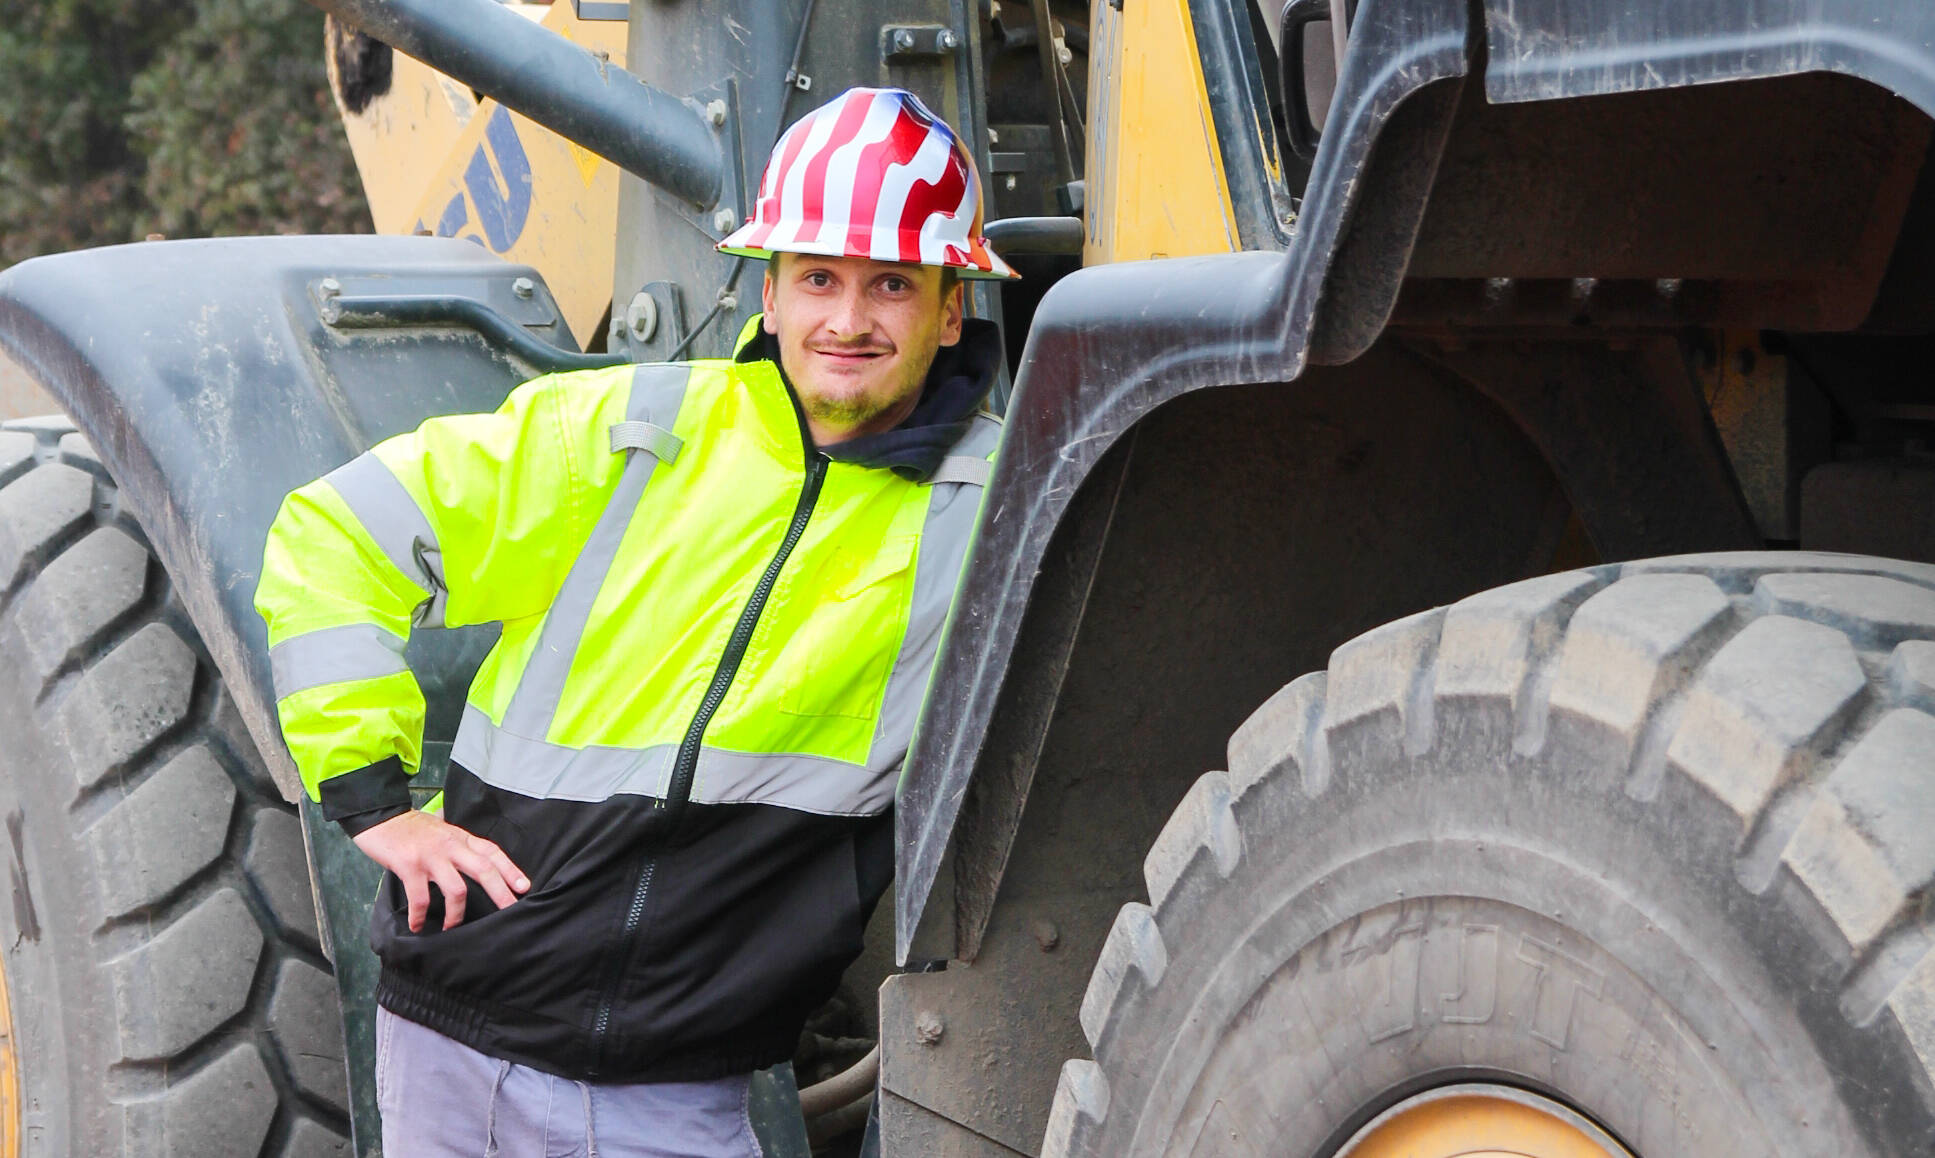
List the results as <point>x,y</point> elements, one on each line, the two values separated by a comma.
<point>736,244</point>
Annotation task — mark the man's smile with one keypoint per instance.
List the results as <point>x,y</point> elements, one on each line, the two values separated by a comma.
<point>850,356</point>
<point>852,353</point>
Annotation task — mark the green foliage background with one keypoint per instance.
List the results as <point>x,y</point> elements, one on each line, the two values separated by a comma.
<point>121,118</point>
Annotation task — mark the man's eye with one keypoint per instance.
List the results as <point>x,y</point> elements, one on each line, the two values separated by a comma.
<point>818,280</point>
<point>894,285</point>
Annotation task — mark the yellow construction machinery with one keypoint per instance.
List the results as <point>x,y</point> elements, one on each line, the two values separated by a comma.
<point>1447,665</point>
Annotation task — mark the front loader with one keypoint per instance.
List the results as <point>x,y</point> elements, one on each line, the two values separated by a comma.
<point>1447,663</point>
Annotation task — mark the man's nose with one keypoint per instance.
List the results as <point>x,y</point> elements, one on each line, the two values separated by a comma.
<point>848,318</point>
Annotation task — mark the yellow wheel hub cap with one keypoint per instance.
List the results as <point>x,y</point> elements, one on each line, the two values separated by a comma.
<point>9,1076</point>
<point>1481,1121</point>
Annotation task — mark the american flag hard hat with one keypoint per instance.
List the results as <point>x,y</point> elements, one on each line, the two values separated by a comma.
<point>871,174</point>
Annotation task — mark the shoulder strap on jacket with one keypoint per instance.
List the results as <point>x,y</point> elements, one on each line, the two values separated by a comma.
<point>649,437</point>
<point>658,390</point>
<point>962,468</point>
<point>972,461</point>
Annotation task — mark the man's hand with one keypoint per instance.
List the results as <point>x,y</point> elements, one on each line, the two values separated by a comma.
<point>421,847</point>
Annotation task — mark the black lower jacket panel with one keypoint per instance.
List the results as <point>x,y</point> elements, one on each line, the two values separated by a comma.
<point>752,915</point>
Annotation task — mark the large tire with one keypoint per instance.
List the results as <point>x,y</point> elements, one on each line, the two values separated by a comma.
<point>168,991</point>
<point>1655,840</point>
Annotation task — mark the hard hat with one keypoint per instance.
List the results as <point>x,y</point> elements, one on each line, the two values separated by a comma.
<point>872,174</point>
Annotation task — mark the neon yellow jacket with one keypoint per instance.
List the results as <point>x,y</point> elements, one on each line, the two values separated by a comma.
<point>620,523</point>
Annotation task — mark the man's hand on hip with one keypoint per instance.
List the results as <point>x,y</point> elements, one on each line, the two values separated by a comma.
<point>422,848</point>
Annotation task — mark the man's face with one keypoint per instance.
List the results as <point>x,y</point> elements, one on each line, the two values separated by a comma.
<point>857,336</point>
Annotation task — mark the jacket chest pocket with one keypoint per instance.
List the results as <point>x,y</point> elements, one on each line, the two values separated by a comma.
<point>845,648</point>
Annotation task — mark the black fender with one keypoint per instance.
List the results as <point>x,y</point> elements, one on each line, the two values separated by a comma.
<point>1112,344</point>
<point>210,384</point>
<point>1109,345</point>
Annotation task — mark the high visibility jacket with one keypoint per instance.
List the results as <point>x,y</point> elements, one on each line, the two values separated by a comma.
<point>715,644</point>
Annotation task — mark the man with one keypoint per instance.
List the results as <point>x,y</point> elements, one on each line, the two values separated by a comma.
<point>721,586</point>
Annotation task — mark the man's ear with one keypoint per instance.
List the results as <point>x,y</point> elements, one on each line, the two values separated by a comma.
<point>952,308</point>
<point>769,321</point>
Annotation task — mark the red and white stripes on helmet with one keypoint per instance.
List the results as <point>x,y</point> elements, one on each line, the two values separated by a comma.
<point>871,174</point>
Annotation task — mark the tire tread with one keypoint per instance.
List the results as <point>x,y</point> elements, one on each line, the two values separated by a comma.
<point>223,1029</point>
<point>1648,662</point>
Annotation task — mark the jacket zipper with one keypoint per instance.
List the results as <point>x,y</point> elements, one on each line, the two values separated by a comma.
<point>685,765</point>
<point>687,762</point>
<point>641,889</point>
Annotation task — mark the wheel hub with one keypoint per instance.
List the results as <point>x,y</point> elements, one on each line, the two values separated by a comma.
<point>1480,1120</point>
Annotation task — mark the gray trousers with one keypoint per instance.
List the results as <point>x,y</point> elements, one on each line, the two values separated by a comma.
<point>442,1099</point>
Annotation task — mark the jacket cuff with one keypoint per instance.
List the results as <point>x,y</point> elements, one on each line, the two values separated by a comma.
<point>367,797</point>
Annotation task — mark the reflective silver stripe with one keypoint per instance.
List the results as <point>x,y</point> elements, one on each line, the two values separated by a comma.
<point>658,390</point>
<point>334,655</point>
<point>962,468</point>
<point>386,510</point>
<point>547,771</point>
<point>944,539</point>
<point>804,783</point>
<point>659,442</point>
